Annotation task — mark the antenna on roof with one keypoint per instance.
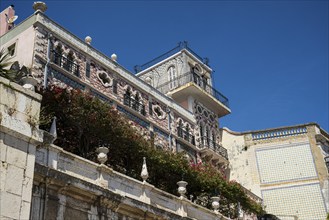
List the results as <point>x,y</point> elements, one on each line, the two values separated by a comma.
<point>11,21</point>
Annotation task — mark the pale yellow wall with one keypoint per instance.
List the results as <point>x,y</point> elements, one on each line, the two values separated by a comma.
<point>242,166</point>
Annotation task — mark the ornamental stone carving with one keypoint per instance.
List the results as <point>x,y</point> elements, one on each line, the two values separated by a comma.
<point>158,112</point>
<point>104,78</point>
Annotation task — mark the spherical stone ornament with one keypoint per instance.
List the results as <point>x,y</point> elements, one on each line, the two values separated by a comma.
<point>114,57</point>
<point>88,39</point>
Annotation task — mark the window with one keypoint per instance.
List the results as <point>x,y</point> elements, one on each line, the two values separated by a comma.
<point>172,77</point>
<point>135,103</point>
<point>126,99</point>
<point>69,62</point>
<point>150,108</point>
<point>180,129</point>
<point>58,55</point>
<point>88,69</point>
<point>115,87</point>
<point>12,49</point>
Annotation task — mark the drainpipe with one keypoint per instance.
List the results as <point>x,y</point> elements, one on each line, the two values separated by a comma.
<point>169,126</point>
<point>45,74</point>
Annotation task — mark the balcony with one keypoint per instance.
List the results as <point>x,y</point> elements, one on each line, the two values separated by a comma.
<point>191,83</point>
<point>66,63</point>
<point>134,104</point>
<point>210,147</point>
<point>181,46</point>
<point>183,133</point>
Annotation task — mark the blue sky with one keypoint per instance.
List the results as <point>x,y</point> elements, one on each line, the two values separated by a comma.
<point>270,57</point>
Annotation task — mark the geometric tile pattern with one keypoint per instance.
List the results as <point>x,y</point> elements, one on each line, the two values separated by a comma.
<point>304,201</point>
<point>285,163</point>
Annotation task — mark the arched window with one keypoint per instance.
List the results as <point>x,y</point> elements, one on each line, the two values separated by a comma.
<point>180,128</point>
<point>135,102</point>
<point>68,65</point>
<point>58,52</point>
<point>187,133</point>
<point>202,135</point>
<point>172,75</point>
<point>127,98</point>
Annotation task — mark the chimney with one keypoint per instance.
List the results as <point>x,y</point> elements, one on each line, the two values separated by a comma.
<point>6,14</point>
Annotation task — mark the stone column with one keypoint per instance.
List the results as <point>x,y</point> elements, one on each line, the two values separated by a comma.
<point>19,136</point>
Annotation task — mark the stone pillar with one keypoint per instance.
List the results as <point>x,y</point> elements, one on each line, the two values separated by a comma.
<point>19,136</point>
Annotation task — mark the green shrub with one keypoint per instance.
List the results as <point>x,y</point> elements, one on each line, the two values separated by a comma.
<point>85,123</point>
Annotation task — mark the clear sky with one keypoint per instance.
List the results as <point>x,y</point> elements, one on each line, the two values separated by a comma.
<point>270,57</point>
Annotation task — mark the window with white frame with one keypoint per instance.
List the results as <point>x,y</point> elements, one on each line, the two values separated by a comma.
<point>171,77</point>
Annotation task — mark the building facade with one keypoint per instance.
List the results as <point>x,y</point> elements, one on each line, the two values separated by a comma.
<point>171,100</point>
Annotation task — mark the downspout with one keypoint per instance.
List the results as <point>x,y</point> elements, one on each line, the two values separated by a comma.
<point>45,74</point>
<point>46,187</point>
<point>169,127</point>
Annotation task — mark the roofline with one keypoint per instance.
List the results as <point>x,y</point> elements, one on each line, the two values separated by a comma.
<point>83,47</point>
<point>182,46</point>
<point>277,128</point>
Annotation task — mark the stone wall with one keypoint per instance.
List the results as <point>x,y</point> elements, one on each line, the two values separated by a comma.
<point>19,135</point>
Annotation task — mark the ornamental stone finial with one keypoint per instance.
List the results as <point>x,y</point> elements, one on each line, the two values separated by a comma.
<point>114,57</point>
<point>182,188</point>
<point>102,154</point>
<point>144,173</point>
<point>88,40</point>
<point>41,6</point>
<point>215,203</point>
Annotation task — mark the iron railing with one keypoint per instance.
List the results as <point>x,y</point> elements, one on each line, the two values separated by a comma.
<point>134,104</point>
<point>181,45</point>
<point>210,144</point>
<point>66,63</point>
<point>183,133</point>
<point>197,80</point>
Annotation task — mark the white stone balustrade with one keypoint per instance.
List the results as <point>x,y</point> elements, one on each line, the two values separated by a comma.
<point>66,162</point>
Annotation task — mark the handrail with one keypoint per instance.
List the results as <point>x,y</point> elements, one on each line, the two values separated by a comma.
<point>197,80</point>
<point>183,133</point>
<point>134,104</point>
<point>66,63</point>
<point>181,45</point>
<point>278,133</point>
<point>210,144</point>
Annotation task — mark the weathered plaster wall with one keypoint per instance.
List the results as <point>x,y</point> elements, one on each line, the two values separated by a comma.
<point>24,46</point>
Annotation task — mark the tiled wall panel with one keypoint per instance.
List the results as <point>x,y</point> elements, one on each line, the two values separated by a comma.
<point>285,163</point>
<point>304,201</point>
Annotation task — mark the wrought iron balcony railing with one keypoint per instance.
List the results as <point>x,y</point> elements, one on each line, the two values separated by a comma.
<point>181,45</point>
<point>183,133</point>
<point>134,104</point>
<point>197,80</point>
<point>210,144</point>
<point>66,63</point>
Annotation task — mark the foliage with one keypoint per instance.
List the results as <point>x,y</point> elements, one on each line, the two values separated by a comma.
<point>85,123</point>
<point>5,71</point>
